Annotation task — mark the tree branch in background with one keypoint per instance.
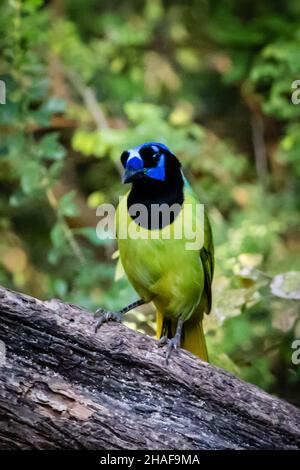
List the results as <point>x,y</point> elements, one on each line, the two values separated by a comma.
<point>67,231</point>
<point>89,98</point>
<point>259,147</point>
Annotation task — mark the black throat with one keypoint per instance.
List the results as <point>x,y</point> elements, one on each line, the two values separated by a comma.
<point>147,191</point>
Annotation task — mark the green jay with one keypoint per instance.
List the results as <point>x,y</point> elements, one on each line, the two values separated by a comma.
<point>158,264</point>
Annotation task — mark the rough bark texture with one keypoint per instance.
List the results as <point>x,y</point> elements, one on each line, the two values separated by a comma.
<point>62,386</point>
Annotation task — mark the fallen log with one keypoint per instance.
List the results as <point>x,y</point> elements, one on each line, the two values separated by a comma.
<point>63,387</point>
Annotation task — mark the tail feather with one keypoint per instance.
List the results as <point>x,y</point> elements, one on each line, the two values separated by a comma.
<point>193,338</point>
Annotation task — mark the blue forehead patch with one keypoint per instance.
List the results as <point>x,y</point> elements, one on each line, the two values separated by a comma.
<point>158,173</point>
<point>135,163</point>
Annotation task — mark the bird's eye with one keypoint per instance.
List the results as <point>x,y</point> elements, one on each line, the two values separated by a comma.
<point>149,157</point>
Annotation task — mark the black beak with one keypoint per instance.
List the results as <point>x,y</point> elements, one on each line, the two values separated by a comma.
<point>131,175</point>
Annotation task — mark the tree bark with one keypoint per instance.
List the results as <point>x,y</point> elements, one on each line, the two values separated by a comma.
<point>62,386</point>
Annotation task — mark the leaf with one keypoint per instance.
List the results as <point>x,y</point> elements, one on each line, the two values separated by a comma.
<point>230,302</point>
<point>67,206</point>
<point>58,235</point>
<point>89,143</point>
<point>251,260</point>
<point>60,287</point>
<point>91,235</point>
<point>286,285</point>
<point>50,148</point>
<point>95,199</point>
<point>54,105</point>
<point>285,315</point>
<point>17,199</point>
<point>31,177</point>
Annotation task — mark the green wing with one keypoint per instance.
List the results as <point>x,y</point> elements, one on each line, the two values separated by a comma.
<point>206,252</point>
<point>207,258</point>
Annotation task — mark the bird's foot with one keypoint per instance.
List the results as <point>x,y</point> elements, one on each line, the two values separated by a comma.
<point>173,343</point>
<point>106,316</point>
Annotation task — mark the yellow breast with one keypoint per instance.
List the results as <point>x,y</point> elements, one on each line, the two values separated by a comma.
<point>159,263</point>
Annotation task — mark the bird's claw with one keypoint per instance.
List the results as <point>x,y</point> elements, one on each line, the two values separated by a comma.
<point>163,341</point>
<point>106,316</point>
<point>173,343</point>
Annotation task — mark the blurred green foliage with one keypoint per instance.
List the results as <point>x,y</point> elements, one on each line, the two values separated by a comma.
<point>211,79</point>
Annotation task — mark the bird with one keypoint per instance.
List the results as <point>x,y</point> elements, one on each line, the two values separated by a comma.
<point>158,263</point>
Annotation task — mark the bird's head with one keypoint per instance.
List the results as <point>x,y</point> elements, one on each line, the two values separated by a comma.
<point>150,161</point>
